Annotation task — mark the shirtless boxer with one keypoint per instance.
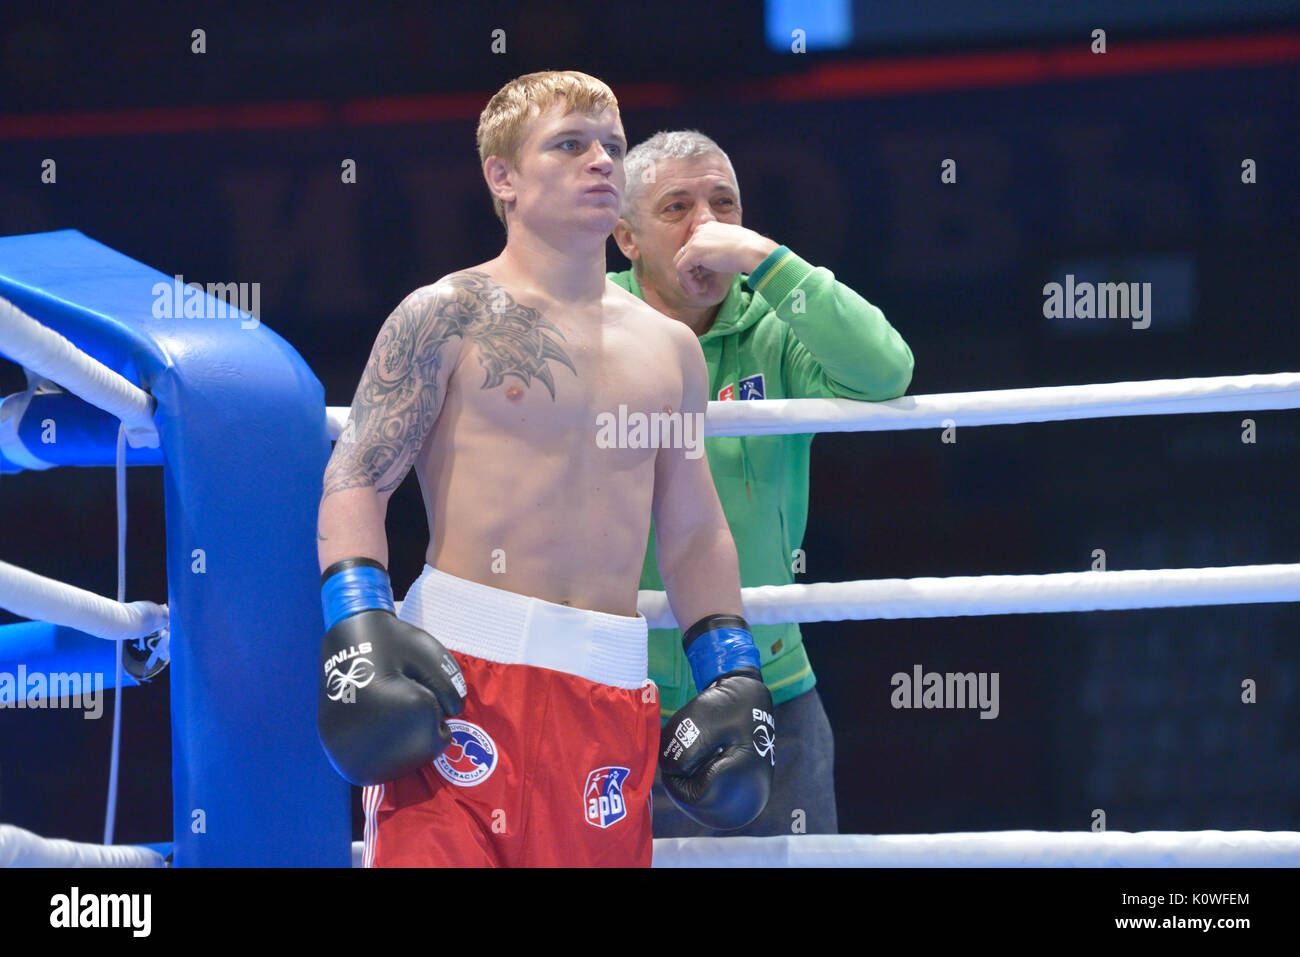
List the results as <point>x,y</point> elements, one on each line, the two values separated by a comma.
<point>505,717</point>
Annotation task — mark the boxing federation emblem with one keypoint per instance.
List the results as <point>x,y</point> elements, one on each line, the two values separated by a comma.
<point>471,757</point>
<point>752,387</point>
<point>603,796</point>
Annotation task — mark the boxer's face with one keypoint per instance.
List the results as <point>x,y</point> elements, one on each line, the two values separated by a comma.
<point>685,194</point>
<point>570,171</point>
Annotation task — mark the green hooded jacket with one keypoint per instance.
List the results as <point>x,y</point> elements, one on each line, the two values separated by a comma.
<point>788,331</point>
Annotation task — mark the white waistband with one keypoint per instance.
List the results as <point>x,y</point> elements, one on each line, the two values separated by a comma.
<point>498,625</point>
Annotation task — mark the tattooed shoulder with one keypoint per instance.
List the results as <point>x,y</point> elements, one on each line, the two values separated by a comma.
<point>512,339</point>
<point>399,396</point>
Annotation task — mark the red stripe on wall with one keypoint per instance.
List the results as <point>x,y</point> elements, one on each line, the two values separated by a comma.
<point>895,76</point>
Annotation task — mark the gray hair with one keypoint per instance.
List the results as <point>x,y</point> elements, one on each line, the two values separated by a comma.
<point>639,164</point>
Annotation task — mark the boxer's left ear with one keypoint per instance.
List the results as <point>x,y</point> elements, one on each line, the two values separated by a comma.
<point>498,174</point>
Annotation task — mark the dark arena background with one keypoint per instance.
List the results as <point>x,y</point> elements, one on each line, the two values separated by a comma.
<point>1169,158</point>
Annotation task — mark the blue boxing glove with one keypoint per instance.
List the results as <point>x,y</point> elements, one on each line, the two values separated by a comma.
<point>717,754</point>
<point>387,687</point>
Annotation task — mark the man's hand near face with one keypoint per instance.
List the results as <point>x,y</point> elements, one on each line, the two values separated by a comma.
<point>716,247</point>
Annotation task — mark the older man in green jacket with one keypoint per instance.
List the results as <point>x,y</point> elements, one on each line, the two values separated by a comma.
<point>772,326</point>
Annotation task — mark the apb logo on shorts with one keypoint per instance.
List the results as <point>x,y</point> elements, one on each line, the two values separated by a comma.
<point>603,796</point>
<point>471,757</point>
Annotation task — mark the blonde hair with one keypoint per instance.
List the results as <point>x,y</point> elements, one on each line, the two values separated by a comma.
<point>502,123</point>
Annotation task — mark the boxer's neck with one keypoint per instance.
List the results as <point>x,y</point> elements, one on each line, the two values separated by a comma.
<point>567,268</point>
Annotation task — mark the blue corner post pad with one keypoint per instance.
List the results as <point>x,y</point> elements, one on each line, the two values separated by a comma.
<point>354,585</point>
<point>244,443</point>
<point>716,645</point>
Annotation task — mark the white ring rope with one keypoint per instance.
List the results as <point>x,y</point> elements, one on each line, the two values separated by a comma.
<point>990,849</point>
<point>43,599</point>
<point>115,752</point>
<point>998,407</point>
<point>12,410</point>
<point>1002,594</point>
<point>20,848</point>
<point>44,351</point>
<point>985,849</point>
<point>1007,406</point>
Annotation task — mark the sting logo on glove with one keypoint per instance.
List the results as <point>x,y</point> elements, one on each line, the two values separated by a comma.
<point>413,684</point>
<point>764,735</point>
<point>345,686</point>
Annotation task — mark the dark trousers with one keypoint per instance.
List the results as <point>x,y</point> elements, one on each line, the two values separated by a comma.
<point>803,789</point>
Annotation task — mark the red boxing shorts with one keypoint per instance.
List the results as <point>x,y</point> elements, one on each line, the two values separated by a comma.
<point>551,762</point>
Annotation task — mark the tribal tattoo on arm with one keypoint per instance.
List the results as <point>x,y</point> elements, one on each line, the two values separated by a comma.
<point>397,400</point>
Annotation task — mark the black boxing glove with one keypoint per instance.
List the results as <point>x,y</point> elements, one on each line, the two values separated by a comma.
<point>386,686</point>
<point>717,754</point>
